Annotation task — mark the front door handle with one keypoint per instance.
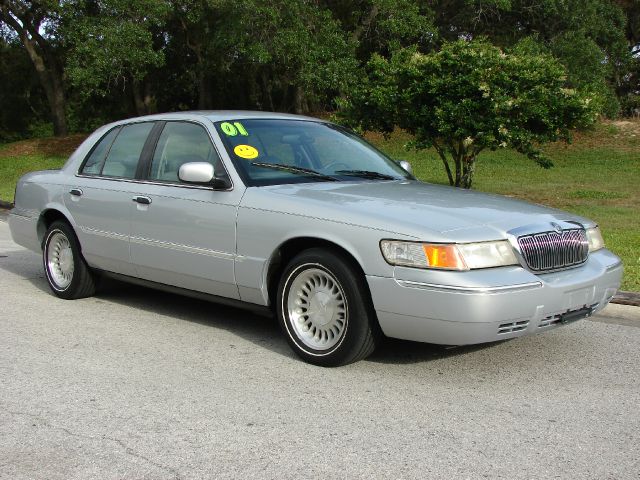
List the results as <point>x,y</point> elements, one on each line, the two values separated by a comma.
<point>76,192</point>
<point>142,200</point>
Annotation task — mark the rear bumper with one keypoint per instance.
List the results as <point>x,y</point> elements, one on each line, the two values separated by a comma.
<point>24,230</point>
<point>461,308</point>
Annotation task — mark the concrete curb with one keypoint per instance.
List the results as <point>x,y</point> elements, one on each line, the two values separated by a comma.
<point>627,298</point>
<point>628,312</point>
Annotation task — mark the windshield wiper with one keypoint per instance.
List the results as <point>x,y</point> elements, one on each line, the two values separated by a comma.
<point>291,168</point>
<point>365,174</point>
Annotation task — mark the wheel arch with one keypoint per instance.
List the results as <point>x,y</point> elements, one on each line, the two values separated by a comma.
<point>291,247</point>
<point>50,215</point>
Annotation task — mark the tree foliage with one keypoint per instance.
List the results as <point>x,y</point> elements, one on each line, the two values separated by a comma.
<point>97,60</point>
<point>111,42</point>
<point>468,97</point>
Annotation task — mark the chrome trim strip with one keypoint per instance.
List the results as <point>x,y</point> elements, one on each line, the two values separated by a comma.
<point>149,182</point>
<point>614,266</point>
<point>102,233</point>
<point>25,218</point>
<point>24,212</point>
<point>457,289</point>
<point>183,248</point>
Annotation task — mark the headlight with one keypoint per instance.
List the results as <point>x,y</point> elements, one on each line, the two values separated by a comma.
<point>594,237</point>
<point>463,256</point>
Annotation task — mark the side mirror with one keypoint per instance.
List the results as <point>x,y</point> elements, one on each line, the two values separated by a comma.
<point>406,166</point>
<point>201,173</point>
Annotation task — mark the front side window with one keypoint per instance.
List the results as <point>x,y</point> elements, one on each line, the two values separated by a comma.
<point>273,151</point>
<point>122,159</point>
<point>179,143</point>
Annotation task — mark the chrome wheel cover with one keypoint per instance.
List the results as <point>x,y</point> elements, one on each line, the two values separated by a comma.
<point>60,260</point>
<point>317,308</point>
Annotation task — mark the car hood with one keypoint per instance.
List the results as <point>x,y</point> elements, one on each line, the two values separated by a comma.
<point>410,208</point>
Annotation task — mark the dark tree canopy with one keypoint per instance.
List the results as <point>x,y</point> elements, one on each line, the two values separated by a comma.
<point>85,62</point>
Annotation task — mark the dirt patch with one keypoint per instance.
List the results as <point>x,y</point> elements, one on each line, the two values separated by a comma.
<point>623,135</point>
<point>49,147</point>
<point>627,127</point>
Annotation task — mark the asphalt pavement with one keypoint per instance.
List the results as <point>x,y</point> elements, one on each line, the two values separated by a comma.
<point>137,384</point>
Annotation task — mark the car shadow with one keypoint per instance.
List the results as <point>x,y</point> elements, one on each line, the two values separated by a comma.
<point>261,330</point>
<point>394,351</point>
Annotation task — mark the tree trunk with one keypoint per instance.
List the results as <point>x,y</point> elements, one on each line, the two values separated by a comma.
<point>58,108</point>
<point>443,156</point>
<point>365,24</point>
<point>284,101</point>
<point>143,100</point>
<point>251,78</point>
<point>204,90</point>
<point>266,87</point>
<point>48,71</point>
<point>298,102</point>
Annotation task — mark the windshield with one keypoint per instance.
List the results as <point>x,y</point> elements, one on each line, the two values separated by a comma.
<point>268,152</point>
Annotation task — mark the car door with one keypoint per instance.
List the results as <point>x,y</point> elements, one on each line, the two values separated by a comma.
<point>101,199</point>
<point>185,235</point>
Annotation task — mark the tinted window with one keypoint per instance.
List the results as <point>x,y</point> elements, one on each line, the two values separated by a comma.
<point>181,142</point>
<point>122,159</point>
<point>93,165</point>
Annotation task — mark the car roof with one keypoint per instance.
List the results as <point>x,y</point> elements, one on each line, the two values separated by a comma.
<point>218,115</point>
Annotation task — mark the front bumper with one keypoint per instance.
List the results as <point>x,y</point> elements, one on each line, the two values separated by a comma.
<point>462,308</point>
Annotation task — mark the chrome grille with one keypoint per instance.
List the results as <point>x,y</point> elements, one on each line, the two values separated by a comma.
<point>554,250</point>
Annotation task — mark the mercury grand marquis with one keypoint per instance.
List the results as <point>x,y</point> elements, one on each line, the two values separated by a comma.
<point>305,219</point>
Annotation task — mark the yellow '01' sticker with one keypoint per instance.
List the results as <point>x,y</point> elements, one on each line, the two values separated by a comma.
<point>245,151</point>
<point>233,129</point>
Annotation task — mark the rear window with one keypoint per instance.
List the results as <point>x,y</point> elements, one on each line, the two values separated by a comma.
<point>122,159</point>
<point>93,164</point>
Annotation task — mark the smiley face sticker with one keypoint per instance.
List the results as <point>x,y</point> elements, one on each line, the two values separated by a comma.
<point>245,151</point>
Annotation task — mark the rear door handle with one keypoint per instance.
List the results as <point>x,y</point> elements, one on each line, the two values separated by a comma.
<point>76,192</point>
<point>142,200</point>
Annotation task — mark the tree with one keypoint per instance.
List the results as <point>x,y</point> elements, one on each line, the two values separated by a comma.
<point>468,97</point>
<point>194,24</point>
<point>285,53</point>
<point>587,36</point>
<point>35,23</point>
<point>22,100</point>
<point>278,55</point>
<point>383,26</point>
<point>115,43</point>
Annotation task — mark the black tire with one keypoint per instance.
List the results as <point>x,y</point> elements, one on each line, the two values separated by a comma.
<point>82,281</point>
<point>360,331</point>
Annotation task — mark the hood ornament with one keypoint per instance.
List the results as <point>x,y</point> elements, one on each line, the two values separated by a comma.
<point>556,227</point>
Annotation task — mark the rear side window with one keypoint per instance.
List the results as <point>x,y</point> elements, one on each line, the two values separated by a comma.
<point>179,143</point>
<point>93,165</point>
<point>122,159</point>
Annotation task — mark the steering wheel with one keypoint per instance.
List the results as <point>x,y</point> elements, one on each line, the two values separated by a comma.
<point>328,168</point>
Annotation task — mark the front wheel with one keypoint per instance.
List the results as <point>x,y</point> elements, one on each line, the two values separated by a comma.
<point>324,309</point>
<point>67,273</point>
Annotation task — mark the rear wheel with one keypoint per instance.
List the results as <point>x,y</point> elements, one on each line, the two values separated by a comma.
<point>66,270</point>
<point>324,309</point>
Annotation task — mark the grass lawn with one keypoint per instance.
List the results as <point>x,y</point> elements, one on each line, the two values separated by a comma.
<point>597,176</point>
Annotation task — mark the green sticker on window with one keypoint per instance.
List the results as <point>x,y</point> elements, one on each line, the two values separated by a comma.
<point>232,129</point>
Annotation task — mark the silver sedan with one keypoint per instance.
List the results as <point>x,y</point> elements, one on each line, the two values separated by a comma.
<point>300,217</point>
